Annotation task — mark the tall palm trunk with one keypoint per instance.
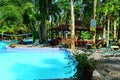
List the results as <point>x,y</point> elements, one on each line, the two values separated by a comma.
<point>95,4</point>
<point>104,30</point>
<point>73,26</point>
<point>115,21</point>
<point>94,35</point>
<point>108,30</point>
<point>119,27</point>
<point>114,30</point>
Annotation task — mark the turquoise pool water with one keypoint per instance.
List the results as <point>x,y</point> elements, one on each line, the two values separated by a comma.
<point>2,44</point>
<point>34,64</point>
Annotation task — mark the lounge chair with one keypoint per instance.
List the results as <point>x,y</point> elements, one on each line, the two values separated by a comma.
<point>116,53</point>
<point>46,43</point>
<point>36,42</point>
<point>113,53</point>
<point>20,41</point>
<point>105,49</point>
<point>110,52</point>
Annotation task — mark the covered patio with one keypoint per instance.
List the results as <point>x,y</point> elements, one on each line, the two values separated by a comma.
<point>65,30</point>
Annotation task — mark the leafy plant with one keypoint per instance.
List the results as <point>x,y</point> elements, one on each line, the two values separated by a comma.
<point>84,66</point>
<point>85,35</point>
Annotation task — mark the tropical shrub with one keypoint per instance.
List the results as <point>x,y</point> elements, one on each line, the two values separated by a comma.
<point>85,35</point>
<point>84,66</point>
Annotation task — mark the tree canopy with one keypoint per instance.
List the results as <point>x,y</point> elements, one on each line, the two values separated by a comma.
<point>20,16</point>
<point>12,19</point>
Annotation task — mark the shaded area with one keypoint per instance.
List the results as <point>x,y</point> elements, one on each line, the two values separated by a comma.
<point>110,68</point>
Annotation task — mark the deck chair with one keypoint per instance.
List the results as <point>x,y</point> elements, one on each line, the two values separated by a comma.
<point>99,44</point>
<point>14,41</point>
<point>36,42</point>
<point>104,49</point>
<point>108,48</point>
<point>108,51</point>
<point>46,43</point>
<point>113,53</point>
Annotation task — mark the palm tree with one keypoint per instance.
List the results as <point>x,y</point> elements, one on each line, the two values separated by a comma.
<point>73,26</point>
<point>94,17</point>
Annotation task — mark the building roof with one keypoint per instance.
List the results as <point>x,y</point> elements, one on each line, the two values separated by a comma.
<point>78,26</point>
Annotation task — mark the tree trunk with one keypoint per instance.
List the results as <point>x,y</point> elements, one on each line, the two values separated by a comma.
<point>104,35</point>
<point>40,32</point>
<point>114,30</point>
<point>95,4</point>
<point>108,30</point>
<point>94,34</point>
<point>73,26</point>
<point>115,21</point>
<point>44,31</point>
<point>119,27</point>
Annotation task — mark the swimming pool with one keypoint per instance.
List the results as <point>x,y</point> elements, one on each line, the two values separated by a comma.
<point>34,64</point>
<point>2,44</point>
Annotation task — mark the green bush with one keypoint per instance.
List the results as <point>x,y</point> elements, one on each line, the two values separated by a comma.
<point>84,67</point>
<point>85,35</point>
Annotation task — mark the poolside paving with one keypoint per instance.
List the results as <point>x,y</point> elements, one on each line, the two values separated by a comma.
<point>109,67</point>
